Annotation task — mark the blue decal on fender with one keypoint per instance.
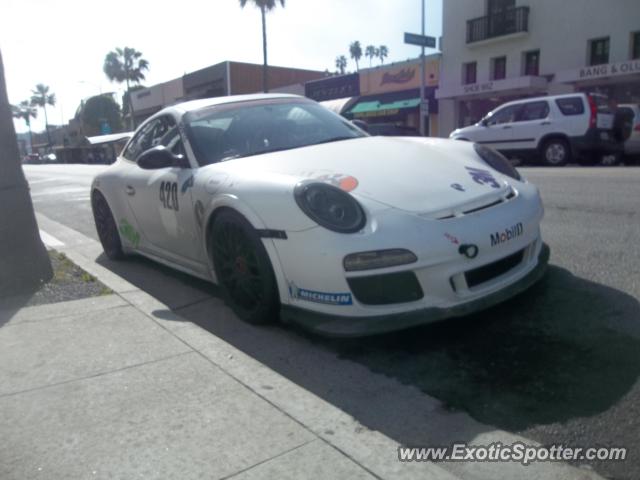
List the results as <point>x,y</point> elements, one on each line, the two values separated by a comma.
<point>483,177</point>
<point>320,297</point>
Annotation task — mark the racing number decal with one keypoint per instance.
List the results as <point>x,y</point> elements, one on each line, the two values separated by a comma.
<point>169,195</point>
<point>483,177</point>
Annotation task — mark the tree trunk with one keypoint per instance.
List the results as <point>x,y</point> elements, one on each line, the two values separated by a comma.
<point>46,121</point>
<point>24,263</point>
<point>132,123</point>
<point>265,81</point>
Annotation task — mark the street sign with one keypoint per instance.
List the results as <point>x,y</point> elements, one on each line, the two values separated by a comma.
<point>420,40</point>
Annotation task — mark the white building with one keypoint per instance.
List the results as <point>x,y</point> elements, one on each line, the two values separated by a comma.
<point>499,50</point>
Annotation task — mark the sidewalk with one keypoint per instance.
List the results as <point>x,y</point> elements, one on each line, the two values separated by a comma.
<point>120,387</point>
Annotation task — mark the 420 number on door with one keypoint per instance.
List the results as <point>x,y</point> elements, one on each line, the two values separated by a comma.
<point>169,195</point>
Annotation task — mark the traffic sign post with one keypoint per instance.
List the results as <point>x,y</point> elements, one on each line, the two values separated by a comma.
<point>423,41</point>
<point>420,40</point>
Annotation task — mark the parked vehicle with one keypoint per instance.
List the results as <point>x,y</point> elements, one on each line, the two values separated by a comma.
<point>291,209</point>
<point>554,130</point>
<point>628,115</point>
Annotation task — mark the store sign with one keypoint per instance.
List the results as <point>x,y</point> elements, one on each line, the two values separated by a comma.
<point>478,87</point>
<point>403,76</point>
<point>599,71</point>
<point>332,88</point>
<point>394,78</point>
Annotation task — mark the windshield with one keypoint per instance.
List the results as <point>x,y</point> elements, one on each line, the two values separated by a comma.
<point>227,132</point>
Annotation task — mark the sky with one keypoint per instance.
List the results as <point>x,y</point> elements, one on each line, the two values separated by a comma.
<point>62,43</point>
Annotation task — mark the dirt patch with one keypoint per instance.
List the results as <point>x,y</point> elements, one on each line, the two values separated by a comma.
<point>69,282</point>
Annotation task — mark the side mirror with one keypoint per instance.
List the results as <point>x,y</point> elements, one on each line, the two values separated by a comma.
<point>160,157</point>
<point>484,122</point>
<point>362,125</point>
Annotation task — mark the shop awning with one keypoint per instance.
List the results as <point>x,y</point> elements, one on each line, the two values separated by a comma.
<point>376,107</point>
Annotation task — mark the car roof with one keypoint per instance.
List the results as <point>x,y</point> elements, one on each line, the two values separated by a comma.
<point>543,98</point>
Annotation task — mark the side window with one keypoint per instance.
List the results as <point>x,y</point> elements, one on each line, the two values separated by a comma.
<point>152,134</point>
<point>139,141</point>
<point>534,111</point>
<point>504,115</point>
<point>570,105</point>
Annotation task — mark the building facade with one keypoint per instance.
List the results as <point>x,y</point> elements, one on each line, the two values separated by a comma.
<point>495,51</point>
<point>226,78</point>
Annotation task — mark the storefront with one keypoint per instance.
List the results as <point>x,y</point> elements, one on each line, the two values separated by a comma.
<point>390,94</point>
<point>618,81</point>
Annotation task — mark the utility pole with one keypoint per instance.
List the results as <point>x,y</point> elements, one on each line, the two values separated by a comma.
<point>423,75</point>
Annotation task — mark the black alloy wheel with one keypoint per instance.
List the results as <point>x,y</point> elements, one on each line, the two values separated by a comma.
<point>106,227</point>
<point>243,269</point>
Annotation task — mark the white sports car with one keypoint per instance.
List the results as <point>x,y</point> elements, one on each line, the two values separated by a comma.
<point>297,213</point>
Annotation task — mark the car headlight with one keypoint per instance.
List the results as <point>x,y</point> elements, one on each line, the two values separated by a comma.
<point>497,161</point>
<point>330,207</point>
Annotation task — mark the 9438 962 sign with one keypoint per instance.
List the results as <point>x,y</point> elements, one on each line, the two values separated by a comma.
<point>169,195</point>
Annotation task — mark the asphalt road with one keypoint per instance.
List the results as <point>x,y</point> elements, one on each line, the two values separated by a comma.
<point>558,364</point>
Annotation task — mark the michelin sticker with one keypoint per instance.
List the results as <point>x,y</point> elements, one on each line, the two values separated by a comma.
<point>320,297</point>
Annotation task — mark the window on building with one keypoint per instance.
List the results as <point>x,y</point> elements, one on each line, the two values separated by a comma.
<point>498,68</point>
<point>532,63</point>
<point>599,51</point>
<point>635,45</point>
<point>469,71</point>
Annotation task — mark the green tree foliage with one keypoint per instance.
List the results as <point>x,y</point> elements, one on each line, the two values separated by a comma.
<point>41,98</point>
<point>125,65</point>
<point>341,64</point>
<point>98,110</point>
<point>355,50</point>
<point>25,111</point>
<point>371,52</point>
<point>383,52</point>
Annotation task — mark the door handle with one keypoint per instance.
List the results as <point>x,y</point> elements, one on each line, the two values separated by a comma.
<point>130,190</point>
<point>545,123</point>
<point>506,126</point>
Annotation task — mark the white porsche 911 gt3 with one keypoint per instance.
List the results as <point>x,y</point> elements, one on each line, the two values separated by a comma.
<point>298,214</point>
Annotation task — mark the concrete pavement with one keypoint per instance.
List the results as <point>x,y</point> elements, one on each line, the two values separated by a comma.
<point>122,386</point>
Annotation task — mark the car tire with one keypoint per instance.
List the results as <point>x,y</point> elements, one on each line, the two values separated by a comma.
<point>243,269</point>
<point>106,227</point>
<point>610,160</point>
<point>556,152</point>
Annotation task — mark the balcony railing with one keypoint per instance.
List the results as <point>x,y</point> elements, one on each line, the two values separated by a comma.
<point>512,20</point>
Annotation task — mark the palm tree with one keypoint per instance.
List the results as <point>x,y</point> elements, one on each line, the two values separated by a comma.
<point>341,63</point>
<point>26,112</point>
<point>370,52</point>
<point>264,6</point>
<point>356,53</point>
<point>383,52</point>
<point>41,98</point>
<point>24,263</point>
<point>126,65</point>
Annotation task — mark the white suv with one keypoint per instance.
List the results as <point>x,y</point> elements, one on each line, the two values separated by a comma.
<point>555,129</point>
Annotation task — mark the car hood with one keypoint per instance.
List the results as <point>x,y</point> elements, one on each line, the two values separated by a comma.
<point>421,175</point>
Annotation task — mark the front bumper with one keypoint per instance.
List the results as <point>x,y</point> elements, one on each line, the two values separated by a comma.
<point>344,326</point>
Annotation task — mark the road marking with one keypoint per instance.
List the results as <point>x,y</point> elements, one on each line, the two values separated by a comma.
<point>49,240</point>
